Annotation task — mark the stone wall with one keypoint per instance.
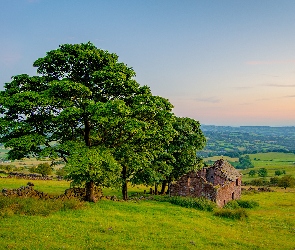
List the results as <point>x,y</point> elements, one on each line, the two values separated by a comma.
<point>229,191</point>
<point>29,191</point>
<point>194,186</point>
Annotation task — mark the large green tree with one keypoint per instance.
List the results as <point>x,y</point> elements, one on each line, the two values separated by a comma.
<point>84,98</point>
<point>183,149</point>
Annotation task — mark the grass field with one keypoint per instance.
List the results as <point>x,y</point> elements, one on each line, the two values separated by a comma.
<point>271,161</point>
<point>150,224</point>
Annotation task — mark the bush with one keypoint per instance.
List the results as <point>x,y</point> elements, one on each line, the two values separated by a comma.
<point>259,182</point>
<point>286,181</point>
<point>233,204</point>
<point>236,204</point>
<point>235,214</point>
<point>61,172</point>
<point>262,172</point>
<point>274,180</point>
<point>247,204</point>
<point>189,202</point>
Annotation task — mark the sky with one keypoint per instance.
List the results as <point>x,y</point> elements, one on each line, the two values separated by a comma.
<point>221,62</point>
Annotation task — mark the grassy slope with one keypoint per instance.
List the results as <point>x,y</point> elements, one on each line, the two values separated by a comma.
<point>151,225</point>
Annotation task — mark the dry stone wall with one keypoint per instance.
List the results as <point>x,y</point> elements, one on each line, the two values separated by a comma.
<point>29,191</point>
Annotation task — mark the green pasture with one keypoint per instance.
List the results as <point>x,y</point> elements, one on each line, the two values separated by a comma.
<point>272,162</point>
<point>150,224</point>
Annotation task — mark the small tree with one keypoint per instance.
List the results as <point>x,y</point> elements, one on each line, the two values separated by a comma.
<point>274,180</point>
<point>90,167</point>
<point>252,173</point>
<point>61,172</point>
<point>286,181</point>
<point>278,172</point>
<point>244,162</point>
<point>44,169</point>
<point>262,172</point>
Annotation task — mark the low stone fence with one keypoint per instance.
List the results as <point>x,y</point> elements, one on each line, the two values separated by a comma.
<point>29,191</point>
<point>259,189</point>
<point>28,176</point>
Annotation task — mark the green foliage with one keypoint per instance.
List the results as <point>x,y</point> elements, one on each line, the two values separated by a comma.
<point>262,172</point>
<point>274,180</point>
<point>7,168</point>
<point>184,147</point>
<point>235,214</point>
<point>252,173</point>
<point>33,169</point>
<point>188,202</point>
<point>84,96</point>
<point>286,181</point>
<point>280,172</point>
<point>95,164</point>
<point>44,169</point>
<point>244,162</point>
<point>258,182</point>
<point>235,204</point>
<point>61,172</point>
<point>30,206</point>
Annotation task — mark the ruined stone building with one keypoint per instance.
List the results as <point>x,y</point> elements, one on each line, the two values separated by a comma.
<point>220,183</point>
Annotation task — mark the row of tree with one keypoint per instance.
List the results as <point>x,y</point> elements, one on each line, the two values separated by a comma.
<point>86,108</point>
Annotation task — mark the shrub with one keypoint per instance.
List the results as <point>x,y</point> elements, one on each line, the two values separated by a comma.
<point>44,169</point>
<point>259,182</point>
<point>274,180</point>
<point>262,172</point>
<point>235,214</point>
<point>247,204</point>
<point>233,204</point>
<point>61,172</point>
<point>236,204</point>
<point>286,181</point>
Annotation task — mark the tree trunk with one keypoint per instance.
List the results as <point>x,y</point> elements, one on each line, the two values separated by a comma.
<point>156,188</point>
<point>164,183</point>
<point>90,192</point>
<point>87,133</point>
<point>124,184</point>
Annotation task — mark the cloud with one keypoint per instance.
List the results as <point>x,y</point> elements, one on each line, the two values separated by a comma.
<point>270,62</point>
<point>289,96</point>
<point>211,99</point>
<point>243,87</point>
<point>279,85</point>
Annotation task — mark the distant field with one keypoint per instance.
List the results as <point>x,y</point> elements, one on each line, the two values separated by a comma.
<point>150,225</point>
<point>271,161</point>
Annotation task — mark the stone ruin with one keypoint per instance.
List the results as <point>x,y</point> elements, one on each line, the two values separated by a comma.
<point>220,183</point>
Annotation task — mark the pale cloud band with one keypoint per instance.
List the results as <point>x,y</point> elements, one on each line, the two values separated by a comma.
<point>270,62</point>
<point>280,85</point>
<point>211,99</point>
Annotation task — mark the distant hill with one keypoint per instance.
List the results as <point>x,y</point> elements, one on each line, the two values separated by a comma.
<point>235,141</point>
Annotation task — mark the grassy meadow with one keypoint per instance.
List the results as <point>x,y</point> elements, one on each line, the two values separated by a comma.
<point>149,224</point>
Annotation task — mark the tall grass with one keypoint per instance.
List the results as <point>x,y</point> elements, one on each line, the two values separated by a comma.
<point>30,206</point>
<point>189,202</point>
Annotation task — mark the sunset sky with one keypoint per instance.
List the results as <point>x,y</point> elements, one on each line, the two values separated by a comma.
<point>220,62</point>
